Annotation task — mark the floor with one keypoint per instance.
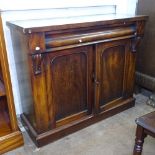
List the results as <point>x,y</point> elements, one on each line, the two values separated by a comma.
<point>113,136</point>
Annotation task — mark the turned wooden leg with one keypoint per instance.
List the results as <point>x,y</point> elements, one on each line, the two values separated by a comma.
<point>140,135</point>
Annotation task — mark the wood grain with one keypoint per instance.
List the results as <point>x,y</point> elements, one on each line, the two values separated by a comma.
<point>10,141</point>
<point>87,37</point>
<point>5,126</point>
<point>70,72</point>
<point>42,25</point>
<point>112,72</point>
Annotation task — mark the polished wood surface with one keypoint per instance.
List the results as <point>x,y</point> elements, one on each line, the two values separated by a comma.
<point>10,136</point>
<point>2,89</point>
<point>78,71</point>
<point>5,126</point>
<point>87,37</point>
<point>145,126</point>
<point>69,71</point>
<point>112,61</point>
<point>42,25</point>
<point>11,141</point>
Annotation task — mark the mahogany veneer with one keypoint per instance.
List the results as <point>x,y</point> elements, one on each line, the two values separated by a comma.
<point>78,70</point>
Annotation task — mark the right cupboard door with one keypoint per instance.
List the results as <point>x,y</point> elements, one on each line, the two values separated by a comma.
<point>114,79</point>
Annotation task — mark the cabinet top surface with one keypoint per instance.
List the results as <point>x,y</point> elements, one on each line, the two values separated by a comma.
<point>41,25</point>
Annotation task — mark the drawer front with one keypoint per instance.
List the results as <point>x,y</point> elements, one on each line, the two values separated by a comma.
<point>55,41</point>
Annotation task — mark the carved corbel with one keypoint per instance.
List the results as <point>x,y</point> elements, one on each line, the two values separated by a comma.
<point>135,43</point>
<point>36,62</point>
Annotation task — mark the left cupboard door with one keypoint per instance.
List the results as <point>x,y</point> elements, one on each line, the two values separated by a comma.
<point>69,85</point>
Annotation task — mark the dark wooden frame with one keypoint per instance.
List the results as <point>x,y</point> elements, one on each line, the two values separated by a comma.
<point>13,138</point>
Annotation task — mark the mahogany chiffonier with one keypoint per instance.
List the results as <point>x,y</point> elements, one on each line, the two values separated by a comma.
<point>10,134</point>
<point>78,70</point>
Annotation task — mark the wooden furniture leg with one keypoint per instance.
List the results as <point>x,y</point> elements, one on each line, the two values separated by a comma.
<point>140,136</point>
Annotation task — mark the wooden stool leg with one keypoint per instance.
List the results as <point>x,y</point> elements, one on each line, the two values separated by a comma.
<point>140,135</point>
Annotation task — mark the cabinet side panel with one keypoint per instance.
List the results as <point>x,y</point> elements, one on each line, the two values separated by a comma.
<point>20,49</point>
<point>112,73</point>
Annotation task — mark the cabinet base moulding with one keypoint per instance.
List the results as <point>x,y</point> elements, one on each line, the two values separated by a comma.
<point>54,134</point>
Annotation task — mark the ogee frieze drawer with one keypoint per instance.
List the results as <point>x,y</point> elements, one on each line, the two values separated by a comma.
<point>52,42</point>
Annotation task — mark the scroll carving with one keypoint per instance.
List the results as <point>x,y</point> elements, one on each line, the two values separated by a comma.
<point>135,43</point>
<point>37,61</point>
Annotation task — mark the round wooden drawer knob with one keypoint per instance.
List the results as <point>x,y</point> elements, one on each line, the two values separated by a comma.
<point>37,48</point>
<point>80,41</point>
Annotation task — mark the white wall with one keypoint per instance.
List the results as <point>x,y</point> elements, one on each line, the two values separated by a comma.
<point>126,6</point>
<point>44,4</point>
<point>29,9</point>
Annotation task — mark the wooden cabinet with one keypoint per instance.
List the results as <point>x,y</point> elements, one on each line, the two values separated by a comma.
<point>77,71</point>
<point>10,135</point>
